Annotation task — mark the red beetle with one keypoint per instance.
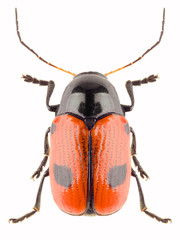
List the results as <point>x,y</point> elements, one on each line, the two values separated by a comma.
<point>90,155</point>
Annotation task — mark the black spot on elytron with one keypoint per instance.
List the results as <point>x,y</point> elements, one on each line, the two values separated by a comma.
<point>127,129</point>
<point>117,175</point>
<point>63,175</point>
<point>53,128</point>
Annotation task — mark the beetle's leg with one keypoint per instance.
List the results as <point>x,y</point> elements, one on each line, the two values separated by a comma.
<point>133,154</point>
<point>142,202</point>
<point>51,86</point>
<point>37,203</point>
<point>46,153</point>
<point>129,87</point>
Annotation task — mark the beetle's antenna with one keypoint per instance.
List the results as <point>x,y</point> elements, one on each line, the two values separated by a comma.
<point>19,36</point>
<point>161,34</point>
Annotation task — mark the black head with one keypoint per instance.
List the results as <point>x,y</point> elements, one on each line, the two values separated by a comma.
<point>89,96</point>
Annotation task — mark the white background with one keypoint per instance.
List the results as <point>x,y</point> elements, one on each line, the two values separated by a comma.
<point>82,36</point>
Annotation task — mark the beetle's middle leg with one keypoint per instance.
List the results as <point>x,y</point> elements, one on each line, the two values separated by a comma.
<point>46,153</point>
<point>36,207</point>
<point>142,202</point>
<point>133,155</point>
<point>129,87</point>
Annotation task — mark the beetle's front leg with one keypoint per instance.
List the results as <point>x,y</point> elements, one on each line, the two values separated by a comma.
<point>129,87</point>
<point>133,154</point>
<point>51,86</point>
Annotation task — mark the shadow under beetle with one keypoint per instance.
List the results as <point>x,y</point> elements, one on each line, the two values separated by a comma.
<point>90,154</point>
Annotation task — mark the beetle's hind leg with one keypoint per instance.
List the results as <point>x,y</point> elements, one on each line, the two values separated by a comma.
<point>46,153</point>
<point>36,207</point>
<point>133,155</point>
<point>142,202</point>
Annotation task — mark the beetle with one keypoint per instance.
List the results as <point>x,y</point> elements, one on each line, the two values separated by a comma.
<point>90,154</point>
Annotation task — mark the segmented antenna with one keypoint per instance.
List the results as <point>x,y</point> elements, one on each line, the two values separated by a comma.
<point>30,49</point>
<point>161,34</point>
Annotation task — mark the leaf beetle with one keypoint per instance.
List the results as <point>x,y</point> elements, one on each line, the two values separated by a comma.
<point>90,154</point>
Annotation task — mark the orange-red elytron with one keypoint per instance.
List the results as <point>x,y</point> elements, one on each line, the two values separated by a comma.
<point>104,149</point>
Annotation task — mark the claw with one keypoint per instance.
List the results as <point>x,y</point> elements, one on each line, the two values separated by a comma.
<point>143,174</point>
<point>36,175</point>
<point>13,220</point>
<point>167,220</point>
<point>152,78</point>
<point>27,78</point>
